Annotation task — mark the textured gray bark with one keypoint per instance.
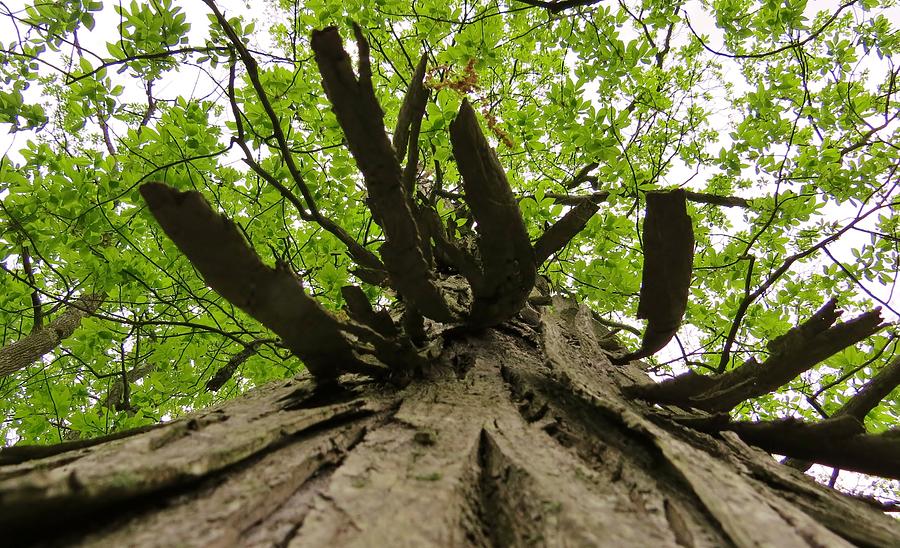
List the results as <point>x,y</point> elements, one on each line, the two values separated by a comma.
<point>29,349</point>
<point>521,435</point>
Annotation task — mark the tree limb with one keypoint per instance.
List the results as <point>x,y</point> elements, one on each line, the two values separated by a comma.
<point>38,313</point>
<point>715,199</point>
<point>798,350</point>
<point>559,5</point>
<point>360,116</point>
<point>29,349</point>
<point>221,376</point>
<point>557,236</point>
<point>413,108</point>
<point>838,442</point>
<point>274,296</point>
<point>864,401</point>
<point>507,258</point>
<point>359,309</point>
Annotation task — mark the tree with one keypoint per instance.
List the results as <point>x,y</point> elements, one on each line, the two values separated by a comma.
<point>453,307</point>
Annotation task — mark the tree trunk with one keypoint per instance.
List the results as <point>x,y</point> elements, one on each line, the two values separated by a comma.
<point>27,350</point>
<point>521,436</point>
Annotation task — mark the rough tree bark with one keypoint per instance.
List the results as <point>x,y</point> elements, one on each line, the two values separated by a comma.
<point>499,421</point>
<point>29,349</point>
<point>518,435</point>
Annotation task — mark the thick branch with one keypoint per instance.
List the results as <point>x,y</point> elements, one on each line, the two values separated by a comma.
<point>360,116</point>
<point>29,349</point>
<point>446,250</point>
<point>16,454</point>
<point>715,199</point>
<point>559,5</point>
<point>798,350</point>
<point>360,309</point>
<point>576,199</point>
<point>417,113</point>
<point>871,394</point>
<point>274,296</point>
<point>666,277</point>
<point>582,176</point>
<point>508,261</point>
<point>838,442</point>
<point>557,236</point>
<point>865,400</point>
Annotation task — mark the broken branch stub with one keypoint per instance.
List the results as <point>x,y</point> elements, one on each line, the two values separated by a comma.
<point>274,296</point>
<point>507,258</point>
<point>362,120</point>
<point>666,276</point>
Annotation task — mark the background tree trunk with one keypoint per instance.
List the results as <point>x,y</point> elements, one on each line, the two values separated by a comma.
<point>521,436</point>
<point>29,349</point>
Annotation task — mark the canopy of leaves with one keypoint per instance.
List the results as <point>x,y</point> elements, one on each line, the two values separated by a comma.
<point>779,120</point>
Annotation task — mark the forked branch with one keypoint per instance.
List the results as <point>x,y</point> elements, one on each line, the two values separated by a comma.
<point>360,116</point>
<point>798,350</point>
<point>507,258</point>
